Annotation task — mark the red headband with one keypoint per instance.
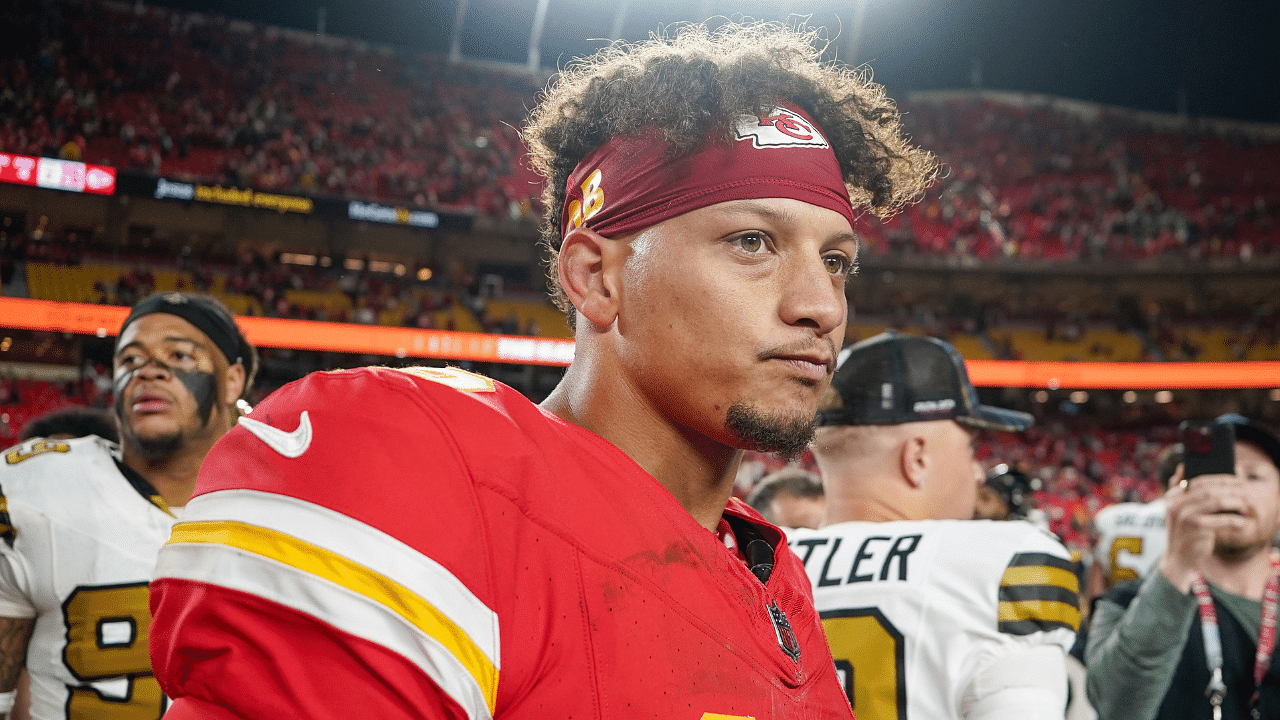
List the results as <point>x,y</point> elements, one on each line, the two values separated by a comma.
<point>629,184</point>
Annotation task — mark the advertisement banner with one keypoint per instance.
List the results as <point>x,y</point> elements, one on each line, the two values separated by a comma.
<point>329,208</point>
<point>244,197</point>
<point>57,174</point>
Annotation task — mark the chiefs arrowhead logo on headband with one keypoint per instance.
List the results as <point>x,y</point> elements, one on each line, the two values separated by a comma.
<point>780,128</point>
<point>629,183</point>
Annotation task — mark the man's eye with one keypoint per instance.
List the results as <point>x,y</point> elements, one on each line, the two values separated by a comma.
<point>837,264</point>
<point>751,242</point>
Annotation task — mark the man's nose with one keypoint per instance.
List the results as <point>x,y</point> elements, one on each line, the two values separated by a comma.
<point>812,300</point>
<point>153,368</point>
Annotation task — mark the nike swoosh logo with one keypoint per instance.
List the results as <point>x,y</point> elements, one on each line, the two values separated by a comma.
<point>288,444</point>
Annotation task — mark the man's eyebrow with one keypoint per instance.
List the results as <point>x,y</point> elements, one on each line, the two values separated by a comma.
<point>166,338</point>
<point>781,217</point>
<point>845,237</point>
<point>759,208</point>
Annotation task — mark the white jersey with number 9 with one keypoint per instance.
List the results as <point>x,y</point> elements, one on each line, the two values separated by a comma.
<point>79,545</point>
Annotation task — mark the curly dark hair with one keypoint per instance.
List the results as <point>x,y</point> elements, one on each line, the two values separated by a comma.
<point>696,81</point>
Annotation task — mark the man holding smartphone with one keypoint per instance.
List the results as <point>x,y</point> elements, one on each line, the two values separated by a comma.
<point>1184,642</point>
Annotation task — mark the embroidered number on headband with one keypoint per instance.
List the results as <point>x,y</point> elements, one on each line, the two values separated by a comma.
<point>592,201</point>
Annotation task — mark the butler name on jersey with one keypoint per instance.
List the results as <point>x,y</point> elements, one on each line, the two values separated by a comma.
<point>81,533</point>
<point>917,611</point>
<point>1131,538</point>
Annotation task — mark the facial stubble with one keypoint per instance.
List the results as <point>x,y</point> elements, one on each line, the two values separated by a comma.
<point>785,435</point>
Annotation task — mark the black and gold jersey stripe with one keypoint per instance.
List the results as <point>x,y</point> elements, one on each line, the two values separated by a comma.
<point>1038,592</point>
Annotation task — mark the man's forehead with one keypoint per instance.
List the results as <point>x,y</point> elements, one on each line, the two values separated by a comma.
<point>158,328</point>
<point>783,211</point>
<point>1254,453</point>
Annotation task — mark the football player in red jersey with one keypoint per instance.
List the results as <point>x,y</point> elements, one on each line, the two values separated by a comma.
<point>582,558</point>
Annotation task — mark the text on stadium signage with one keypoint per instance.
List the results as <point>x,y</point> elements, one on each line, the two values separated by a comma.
<point>244,197</point>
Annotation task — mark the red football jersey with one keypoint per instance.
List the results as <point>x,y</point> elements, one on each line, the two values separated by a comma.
<point>427,543</point>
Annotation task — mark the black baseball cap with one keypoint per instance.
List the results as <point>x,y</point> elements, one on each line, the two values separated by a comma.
<point>1252,432</point>
<point>892,379</point>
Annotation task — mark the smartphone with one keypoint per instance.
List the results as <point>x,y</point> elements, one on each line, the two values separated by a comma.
<point>1209,448</point>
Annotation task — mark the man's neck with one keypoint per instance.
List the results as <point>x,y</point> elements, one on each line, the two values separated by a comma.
<point>697,471</point>
<point>862,509</point>
<point>173,476</point>
<point>1246,577</point>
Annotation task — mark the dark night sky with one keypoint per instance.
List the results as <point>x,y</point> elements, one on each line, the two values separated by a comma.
<point>1134,53</point>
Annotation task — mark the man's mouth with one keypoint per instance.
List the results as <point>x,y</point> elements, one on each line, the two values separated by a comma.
<point>811,368</point>
<point>150,402</point>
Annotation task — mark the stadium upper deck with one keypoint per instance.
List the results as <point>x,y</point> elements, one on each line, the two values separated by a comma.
<point>189,96</point>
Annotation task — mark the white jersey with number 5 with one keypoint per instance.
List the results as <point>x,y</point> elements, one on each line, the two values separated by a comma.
<point>80,539</point>
<point>1131,538</point>
<point>916,611</point>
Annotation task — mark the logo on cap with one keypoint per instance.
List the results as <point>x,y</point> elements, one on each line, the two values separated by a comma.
<point>780,128</point>
<point>175,298</point>
<point>934,406</point>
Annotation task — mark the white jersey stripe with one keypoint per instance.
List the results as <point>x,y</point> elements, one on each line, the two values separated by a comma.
<point>361,544</point>
<point>339,606</point>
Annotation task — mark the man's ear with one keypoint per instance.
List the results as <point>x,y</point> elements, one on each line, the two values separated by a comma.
<point>234,385</point>
<point>589,266</point>
<point>915,459</point>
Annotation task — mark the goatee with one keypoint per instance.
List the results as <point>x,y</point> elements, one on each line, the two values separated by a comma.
<point>785,435</point>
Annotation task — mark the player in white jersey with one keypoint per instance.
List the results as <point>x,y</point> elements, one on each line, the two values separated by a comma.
<point>930,615</point>
<point>81,520</point>
<point>1131,536</point>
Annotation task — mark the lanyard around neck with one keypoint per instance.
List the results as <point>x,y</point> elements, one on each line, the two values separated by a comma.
<point>1217,689</point>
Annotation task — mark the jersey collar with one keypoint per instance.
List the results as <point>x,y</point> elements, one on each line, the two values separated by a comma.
<point>144,488</point>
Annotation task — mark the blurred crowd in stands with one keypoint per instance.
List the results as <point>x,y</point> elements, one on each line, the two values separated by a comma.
<point>190,96</point>
<point>1039,182</point>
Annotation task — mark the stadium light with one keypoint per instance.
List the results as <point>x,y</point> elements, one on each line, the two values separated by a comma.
<point>535,36</point>
<point>455,44</point>
<point>619,18</point>
<point>854,45</point>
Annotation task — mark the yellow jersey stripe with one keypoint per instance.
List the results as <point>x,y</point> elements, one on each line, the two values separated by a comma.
<point>324,564</point>
<point>1040,575</point>
<point>1040,611</point>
